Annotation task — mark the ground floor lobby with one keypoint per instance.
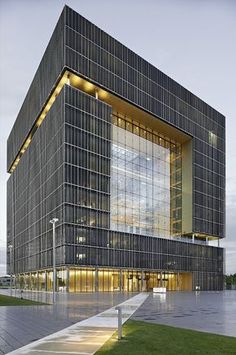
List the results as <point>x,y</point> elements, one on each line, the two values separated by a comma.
<point>105,280</point>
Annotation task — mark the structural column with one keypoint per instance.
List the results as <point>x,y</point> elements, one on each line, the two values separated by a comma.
<point>96,280</point>
<point>67,279</point>
<point>121,286</point>
<point>142,281</point>
<point>161,282</point>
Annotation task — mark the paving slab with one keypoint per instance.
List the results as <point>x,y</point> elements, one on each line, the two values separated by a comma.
<point>212,312</point>
<point>21,325</point>
<point>84,337</point>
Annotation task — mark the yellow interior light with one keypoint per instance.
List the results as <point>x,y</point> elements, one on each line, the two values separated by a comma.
<point>69,79</point>
<point>102,94</point>
<point>27,142</point>
<point>88,86</point>
<point>63,80</point>
<point>75,80</point>
<point>40,120</point>
<point>57,90</point>
<point>51,100</point>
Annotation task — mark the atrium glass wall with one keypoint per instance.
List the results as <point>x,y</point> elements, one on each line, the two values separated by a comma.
<point>145,181</point>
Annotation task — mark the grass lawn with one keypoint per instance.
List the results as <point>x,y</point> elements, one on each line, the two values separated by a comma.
<point>13,301</point>
<point>146,338</point>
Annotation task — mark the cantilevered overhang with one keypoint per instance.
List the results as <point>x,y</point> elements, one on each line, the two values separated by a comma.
<point>130,110</point>
<point>120,105</point>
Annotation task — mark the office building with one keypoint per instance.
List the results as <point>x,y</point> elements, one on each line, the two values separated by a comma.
<point>130,162</point>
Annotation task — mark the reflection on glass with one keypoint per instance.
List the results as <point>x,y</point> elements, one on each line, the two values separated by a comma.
<point>145,182</point>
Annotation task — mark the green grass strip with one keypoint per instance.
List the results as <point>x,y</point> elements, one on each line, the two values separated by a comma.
<point>142,338</point>
<point>14,301</point>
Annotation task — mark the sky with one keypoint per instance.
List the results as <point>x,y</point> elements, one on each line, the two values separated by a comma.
<point>192,41</point>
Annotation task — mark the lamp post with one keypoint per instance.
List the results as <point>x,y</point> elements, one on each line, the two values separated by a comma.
<point>10,247</point>
<point>54,221</point>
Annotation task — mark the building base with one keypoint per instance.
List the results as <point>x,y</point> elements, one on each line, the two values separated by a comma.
<point>105,280</point>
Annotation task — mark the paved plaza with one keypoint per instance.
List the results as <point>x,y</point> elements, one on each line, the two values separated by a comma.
<point>84,337</point>
<point>213,312</point>
<point>20,325</point>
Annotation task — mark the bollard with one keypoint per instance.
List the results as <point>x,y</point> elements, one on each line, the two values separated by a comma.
<point>119,309</point>
<point>21,294</point>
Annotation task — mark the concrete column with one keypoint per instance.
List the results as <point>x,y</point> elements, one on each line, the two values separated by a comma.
<point>45,281</point>
<point>161,279</point>
<point>142,281</point>
<point>121,281</point>
<point>67,279</point>
<point>96,280</point>
<point>178,281</point>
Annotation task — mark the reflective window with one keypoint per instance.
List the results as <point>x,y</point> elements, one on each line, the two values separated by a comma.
<point>145,182</point>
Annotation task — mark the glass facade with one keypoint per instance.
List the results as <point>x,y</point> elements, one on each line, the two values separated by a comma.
<point>146,185</point>
<point>133,199</point>
<point>105,280</point>
<point>35,195</point>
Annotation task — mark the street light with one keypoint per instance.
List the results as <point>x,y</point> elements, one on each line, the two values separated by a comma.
<point>54,221</point>
<point>10,247</point>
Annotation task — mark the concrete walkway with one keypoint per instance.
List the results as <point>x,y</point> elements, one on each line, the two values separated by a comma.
<point>21,325</point>
<point>84,337</point>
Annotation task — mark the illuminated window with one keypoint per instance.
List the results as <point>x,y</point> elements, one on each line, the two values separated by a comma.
<point>146,182</point>
<point>81,239</point>
<point>80,256</point>
<point>212,139</point>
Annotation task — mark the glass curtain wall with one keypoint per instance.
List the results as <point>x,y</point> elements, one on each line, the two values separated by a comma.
<point>145,181</point>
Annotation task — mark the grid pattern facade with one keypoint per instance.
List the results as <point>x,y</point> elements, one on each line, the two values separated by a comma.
<point>146,184</point>
<point>87,174</point>
<point>88,238</point>
<point>36,195</point>
<point>84,48</point>
<point>45,78</point>
<point>94,54</point>
<point>67,169</point>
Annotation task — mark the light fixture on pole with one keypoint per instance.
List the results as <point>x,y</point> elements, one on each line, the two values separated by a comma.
<point>54,221</point>
<point>10,247</point>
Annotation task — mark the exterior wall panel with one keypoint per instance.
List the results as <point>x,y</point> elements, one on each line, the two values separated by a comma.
<point>65,171</point>
<point>87,170</point>
<point>38,195</point>
<point>95,55</point>
<point>48,71</point>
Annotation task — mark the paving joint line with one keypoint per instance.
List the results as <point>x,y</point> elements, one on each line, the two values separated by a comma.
<point>74,335</point>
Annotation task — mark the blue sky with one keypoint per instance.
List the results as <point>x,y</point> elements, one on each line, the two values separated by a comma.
<point>191,41</point>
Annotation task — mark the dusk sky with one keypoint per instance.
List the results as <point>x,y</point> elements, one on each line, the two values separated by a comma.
<point>191,41</point>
